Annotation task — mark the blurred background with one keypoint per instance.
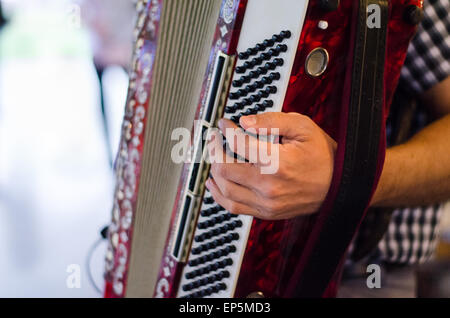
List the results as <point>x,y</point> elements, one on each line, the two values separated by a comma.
<point>63,85</point>
<point>56,143</point>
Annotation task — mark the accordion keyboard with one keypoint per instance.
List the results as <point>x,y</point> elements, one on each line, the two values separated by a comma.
<point>266,55</point>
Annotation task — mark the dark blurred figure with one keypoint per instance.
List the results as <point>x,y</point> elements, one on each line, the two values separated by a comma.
<point>110,23</point>
<point>2,17</point>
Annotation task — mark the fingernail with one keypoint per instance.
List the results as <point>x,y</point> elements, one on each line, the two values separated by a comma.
<point>248,120</point>
<point>207,183</point>
<point>221,123</point>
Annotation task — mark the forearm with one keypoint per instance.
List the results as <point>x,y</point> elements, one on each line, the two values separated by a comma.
<point>417,172</point>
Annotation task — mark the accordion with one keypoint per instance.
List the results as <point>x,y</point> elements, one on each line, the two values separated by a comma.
<point>337,62</point>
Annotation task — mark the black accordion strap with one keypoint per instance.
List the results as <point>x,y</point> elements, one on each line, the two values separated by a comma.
<point>361,160</point>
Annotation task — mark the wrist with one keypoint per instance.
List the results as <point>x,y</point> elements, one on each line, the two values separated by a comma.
<point>386,187</point>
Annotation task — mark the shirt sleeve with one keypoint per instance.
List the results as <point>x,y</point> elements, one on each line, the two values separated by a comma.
<point>428,60</point>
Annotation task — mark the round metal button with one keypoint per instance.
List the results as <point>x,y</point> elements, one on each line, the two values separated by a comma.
<point>317,62</point>
<point>256,295</point>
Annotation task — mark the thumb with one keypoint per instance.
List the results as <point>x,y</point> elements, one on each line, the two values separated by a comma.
<point>289,125</point>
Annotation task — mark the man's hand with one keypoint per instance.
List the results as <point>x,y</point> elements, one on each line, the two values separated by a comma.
<point>298,187</point>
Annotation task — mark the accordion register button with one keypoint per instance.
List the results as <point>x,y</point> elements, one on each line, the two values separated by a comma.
<point>237,223</point>
<point>253,87</point>
<point>274,52</point>
<point>266,56</point>
<point>243,55</point>
<point>269,43</point>
<point>268,103</point>
<point>249,64</point>
<point>208,200</point>
<point>254,74</point>
<point>270,66</point>
<point>230,109</point>
<point>278,61</point>
<point>247,112</point>
<point>247,101</point>
<point>234,95</point>
<point>260,46</point>
<point>189,275</point>
<point>259,84</point>
<point>242,92</point>
<point>262,70</point>
<point>286,34</point>
<point>277,38</point>
<point>271,89</point>
<point>235,119</point>
<point>263,94</point>
<point>281,48</point>
<point>259,108</point>
<point>252,51</point>
<point>255,98</point>
<point>240,69</point>
<point>239,105</point>
<point>275,76</point>
<point>257,61</point>
<point>237,83</point>
<point>246,79</point>
<point>266,80</point>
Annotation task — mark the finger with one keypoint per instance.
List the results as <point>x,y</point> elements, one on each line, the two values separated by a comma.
<point>289,125</point>
<point>232,190</point>
<point>225,166</point>
<point>243,143</point>
<point>229,205</point>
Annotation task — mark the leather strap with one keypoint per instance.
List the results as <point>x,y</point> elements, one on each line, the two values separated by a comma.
<point>364,135</point>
